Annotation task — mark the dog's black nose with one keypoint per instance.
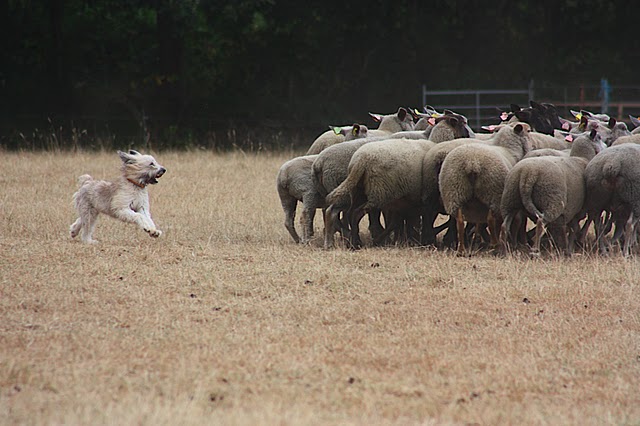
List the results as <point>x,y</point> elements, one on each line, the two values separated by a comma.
<point>161,172</point>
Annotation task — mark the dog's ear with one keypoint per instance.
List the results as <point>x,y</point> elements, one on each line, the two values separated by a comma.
<point>132,152</point>
<point>126,158</point>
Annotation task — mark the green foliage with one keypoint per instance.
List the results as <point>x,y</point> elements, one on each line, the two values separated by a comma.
<point>147,67</point>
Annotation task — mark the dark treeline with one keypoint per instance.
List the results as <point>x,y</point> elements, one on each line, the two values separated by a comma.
<point>212,73</point>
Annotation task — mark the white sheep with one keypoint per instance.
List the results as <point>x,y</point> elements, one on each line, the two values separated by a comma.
<point>472,179</point>
<point>550,191</point>
<point>331,166</point>
<point>337,134</point>
<point>382,176</point>
<point>295,184</point>
<point>613,182</point>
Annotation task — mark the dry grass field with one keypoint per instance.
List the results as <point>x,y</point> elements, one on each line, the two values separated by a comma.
<point>224,320</point>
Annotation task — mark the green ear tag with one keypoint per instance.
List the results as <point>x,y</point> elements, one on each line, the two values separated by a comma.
<point>337,130</point>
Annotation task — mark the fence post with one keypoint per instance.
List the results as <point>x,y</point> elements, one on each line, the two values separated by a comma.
<point>477,110</point>
<point>531,91</point>
<point>605,93</point>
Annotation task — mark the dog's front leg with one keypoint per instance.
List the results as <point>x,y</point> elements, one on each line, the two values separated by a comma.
<point>128,215</point>
<point>150,226</point>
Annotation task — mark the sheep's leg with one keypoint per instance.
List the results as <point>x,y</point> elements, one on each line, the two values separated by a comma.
<point>494,228</point>
<point>629,235</point>
<point>306,220</point>
<point>535,250</point>
<point>329,227</point>
<point>289,205</point>
<point>506,232</point>
<point>449,239</point>
<point>355,216</point>
<point>375,226</point>
<point>461,232</point>
<point>574,232</point>
<point>600,234</point>
<point>428,234</point>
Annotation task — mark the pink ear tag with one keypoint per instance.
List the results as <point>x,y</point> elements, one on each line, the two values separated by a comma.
<point>568,138</point>
<point>504,116</point>
<point>566,126</point>
<point>431,121</point>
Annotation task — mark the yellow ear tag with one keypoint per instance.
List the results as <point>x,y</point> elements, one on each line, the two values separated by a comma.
<point>354,131</point>
<point>579,116</point>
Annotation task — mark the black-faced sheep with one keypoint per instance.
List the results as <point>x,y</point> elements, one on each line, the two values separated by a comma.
<point>472,179</point>
<point>550,191</point>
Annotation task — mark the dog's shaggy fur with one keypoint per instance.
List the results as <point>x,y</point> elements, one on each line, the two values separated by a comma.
<point>126,199</point>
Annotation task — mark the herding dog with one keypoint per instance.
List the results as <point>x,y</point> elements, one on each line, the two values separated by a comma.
<point>126,199</point>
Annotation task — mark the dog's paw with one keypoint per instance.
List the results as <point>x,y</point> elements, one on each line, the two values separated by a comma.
<point>154,233</point>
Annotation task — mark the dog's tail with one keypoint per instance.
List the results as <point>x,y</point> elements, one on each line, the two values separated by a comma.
<point>84,179</point>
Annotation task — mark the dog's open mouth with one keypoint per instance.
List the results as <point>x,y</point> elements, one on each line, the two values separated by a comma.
<point>154,180</point>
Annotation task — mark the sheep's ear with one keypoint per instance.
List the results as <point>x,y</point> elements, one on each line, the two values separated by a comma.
<point>518,128</point>
<point>414,113</point>
<point>584,121</point>
<point>522,114</point>
<point>337,130</point>
<point>402,113</point>
<point>593,134</point>
<point>634,120</point>
<point>514,108</point>
<point>125,157</point>
<point>611,123</point>
<point>448,112</point>
<point>132,152</point>
<point>536,105</point>
<point>376,117</point>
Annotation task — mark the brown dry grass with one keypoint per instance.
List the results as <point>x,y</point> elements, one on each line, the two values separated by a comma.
<point>224,320</point>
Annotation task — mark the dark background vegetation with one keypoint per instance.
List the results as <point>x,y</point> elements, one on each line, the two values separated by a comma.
<point>263,74</point>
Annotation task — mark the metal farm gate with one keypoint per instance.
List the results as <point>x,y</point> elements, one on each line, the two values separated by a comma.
<point>479,106</point>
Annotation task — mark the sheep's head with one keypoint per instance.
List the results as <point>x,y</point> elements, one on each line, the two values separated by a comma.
<point>397,122</point>
<point>534,117</point>
<point>457,122</point>
<point>522,130</point>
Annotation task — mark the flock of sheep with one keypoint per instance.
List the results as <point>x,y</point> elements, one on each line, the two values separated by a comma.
<point>561,175</point>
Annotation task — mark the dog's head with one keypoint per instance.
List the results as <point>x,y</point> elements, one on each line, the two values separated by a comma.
<point>140,169</point>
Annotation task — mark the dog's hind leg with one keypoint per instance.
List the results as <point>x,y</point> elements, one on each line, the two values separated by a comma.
<point>74,229</point>
<point>89,219</point>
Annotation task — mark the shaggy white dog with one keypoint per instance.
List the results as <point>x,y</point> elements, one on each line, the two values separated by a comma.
<point>126,199</point>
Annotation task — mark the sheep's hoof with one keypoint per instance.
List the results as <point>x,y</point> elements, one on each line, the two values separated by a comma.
<point>534,255</point>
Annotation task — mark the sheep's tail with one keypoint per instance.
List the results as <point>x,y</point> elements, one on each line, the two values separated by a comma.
<point>83,180</point>
<point>341,196</point>
<point>316,176</point>
<point>611,172</point>
<point>526,189</point>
